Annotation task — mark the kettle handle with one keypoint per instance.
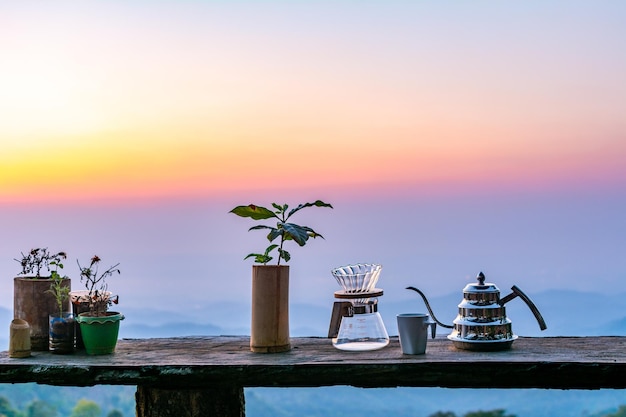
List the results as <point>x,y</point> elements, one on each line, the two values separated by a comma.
<point>517,292</point>
<point>430,310</point>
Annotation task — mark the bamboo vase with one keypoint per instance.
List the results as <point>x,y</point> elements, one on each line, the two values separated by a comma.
<point>270,309</point>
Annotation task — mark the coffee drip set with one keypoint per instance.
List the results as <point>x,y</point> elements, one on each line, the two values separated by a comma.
<point>481,323</point>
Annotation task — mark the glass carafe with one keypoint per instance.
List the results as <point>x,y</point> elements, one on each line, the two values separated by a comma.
<point>363,328</point>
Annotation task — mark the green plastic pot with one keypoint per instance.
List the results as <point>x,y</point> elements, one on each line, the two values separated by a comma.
<point>100,333</point>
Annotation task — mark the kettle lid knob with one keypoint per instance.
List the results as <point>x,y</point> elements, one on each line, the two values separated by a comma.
<point>481,286</point>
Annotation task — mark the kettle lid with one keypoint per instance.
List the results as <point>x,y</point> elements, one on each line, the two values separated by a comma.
<point>481,286</point>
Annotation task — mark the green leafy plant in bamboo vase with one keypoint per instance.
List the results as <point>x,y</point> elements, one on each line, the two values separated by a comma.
<point>99,327</point>
<point>269,331</point>
<point>33,301</point>
<point>61,324</point>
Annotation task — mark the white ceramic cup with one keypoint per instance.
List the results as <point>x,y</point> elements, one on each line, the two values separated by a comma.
<point>413,332</point>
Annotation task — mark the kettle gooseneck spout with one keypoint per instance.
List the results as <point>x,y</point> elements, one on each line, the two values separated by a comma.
<point>430,310</point>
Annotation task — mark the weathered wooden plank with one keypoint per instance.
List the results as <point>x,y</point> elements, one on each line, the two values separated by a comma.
<point>213,362</point>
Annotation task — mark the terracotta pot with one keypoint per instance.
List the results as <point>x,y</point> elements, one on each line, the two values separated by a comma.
<point>32,302</point>
<point>270,309</point>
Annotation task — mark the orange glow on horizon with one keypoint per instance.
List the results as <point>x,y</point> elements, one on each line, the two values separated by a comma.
<point>149,167</point>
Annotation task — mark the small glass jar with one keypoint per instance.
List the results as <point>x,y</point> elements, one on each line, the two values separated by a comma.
<point>62,333</point>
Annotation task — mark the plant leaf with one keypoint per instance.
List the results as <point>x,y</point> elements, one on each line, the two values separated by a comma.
<point>274,233</point>
<point>261,226</point>
<point>318,203</point>
<point>270,248</point>
<point>285,255</point>
<point>279,208</point>
<point>255,212</point>
<point>312,233</point>
<point>295,232</point>
<point>259,258</point>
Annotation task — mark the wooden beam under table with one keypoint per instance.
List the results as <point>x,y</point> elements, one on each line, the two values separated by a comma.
<point>212,402</point>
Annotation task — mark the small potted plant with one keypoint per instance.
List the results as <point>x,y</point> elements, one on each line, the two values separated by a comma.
<point>99,327</point>
<point>61,324</point>
<point>81,301</point>
<point>269,331</point>
<point>32,300</point>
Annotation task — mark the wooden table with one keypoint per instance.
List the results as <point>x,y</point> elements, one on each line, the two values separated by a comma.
<point>206,375</point>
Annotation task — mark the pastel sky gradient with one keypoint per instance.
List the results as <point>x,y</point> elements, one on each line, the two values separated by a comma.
<point>449,130</point>
<point>195,98</point>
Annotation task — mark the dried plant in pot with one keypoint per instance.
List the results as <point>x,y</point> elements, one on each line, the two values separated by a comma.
<point>99,327</point>
<point>81,301</point>
<point>32,300</point>
<point>269,331</point>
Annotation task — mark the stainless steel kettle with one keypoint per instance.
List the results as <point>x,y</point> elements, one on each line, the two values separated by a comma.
<point>482,323</point>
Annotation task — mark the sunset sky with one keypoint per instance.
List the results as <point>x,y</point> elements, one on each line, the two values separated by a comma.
<point>450,136</point>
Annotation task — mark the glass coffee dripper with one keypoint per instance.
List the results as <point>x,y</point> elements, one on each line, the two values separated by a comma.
<point>356,324</point>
